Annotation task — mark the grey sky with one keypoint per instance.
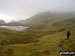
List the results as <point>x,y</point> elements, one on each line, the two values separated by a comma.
<point>22,9</point>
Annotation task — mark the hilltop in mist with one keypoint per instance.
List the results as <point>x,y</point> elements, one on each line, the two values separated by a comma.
<point>2,22</point>
<point>46,18</point>
<point>42,18</point>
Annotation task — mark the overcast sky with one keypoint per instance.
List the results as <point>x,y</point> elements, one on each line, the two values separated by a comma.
<point>22,9</point>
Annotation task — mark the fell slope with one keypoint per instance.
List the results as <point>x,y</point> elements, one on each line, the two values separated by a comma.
<point>46,17</point>
<point>47,44</point>
<point>2,22</point>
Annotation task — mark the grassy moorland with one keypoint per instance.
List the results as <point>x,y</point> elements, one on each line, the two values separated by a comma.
<point>37,42</point>
<point>16,43</point>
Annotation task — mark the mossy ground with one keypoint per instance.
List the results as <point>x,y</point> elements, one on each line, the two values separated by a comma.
<point>35,42</point>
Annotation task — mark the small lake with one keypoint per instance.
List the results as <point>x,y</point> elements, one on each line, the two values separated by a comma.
<point>17,28</point>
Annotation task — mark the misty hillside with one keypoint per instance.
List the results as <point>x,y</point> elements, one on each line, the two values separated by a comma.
<point>14,23</point>
<point>2,22</point>
<point>66,22</point>
<point>46,18</point>
<point>42,18</point>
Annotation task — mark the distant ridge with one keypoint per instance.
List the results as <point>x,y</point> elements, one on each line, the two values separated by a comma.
<point>44,18</point>
<point>47,18</point>
<point>2,22</point>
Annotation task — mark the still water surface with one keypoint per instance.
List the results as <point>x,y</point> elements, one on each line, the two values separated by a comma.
<point>17,28</point>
